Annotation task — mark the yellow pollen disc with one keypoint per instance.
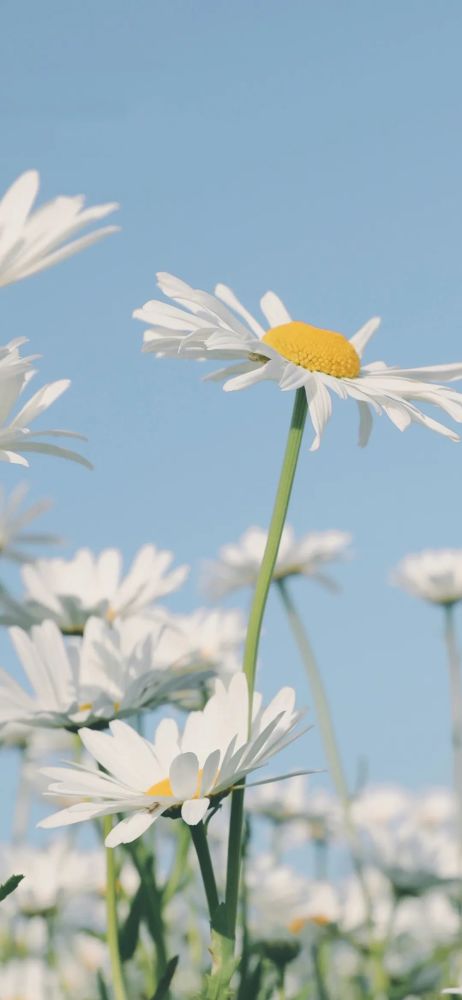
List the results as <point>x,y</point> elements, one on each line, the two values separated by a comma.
<point>161,788</point>
<point>111,615</point>
<point>164,788</point>
<point>315,349</point>
<point>87,705</point>
<point>298,923</point>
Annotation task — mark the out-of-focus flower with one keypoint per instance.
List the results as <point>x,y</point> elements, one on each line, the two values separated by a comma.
<point>207,639</point>
<point>11,362</point>
<point>295,355</point>
<point>69,591</point>
<point>13,521</point>
<point>238,565</point>
<point>188,772</point>
<point>32,241</point>
<point>282,902</point>
<point>53,876</point>
<point>28,979</point>
<point>314,812</point>
<point>90,681</point>
<point>434,575</point>
<point>15,434</point>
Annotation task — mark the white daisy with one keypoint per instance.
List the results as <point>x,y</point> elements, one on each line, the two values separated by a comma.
<point>15,434</point>
<point>88,682</point>
<point>238,565</point>
<point>205,638</point>
<point>13,521</point>
<point>28,979</point>
<point>32,241</point>
<point>294,354</point>
<point>188,771</point>
<point>69,591</point>
<point>53,875</point>
<point>434,575</point>
<point>11,362</point>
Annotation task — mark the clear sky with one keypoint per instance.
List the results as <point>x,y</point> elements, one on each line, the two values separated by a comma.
<point>313,148</point>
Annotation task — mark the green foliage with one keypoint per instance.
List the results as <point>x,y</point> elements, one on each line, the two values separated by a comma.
<point>9,886</point>
<point>165,981</point>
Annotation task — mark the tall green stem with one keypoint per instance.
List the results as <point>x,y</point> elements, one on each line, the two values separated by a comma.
<point>455,687</point>
<point>199,839</point>
<point>111,919</point>
<point>332,753</point>
<point>257,611</point>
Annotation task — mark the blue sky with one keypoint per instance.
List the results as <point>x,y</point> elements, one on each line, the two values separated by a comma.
<point>311,148</point>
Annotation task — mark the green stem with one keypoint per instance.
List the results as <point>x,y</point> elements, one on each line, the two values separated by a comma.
<point>455,687</point>
<point>332,753</point>
<point>111,918</point>
<point>199,839</point>
<point>144,862</point>
<point>179,872</point>
<point>257,611</point>
<point>326,727</point>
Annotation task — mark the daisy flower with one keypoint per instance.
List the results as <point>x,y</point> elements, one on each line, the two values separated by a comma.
<point>13,521</point>
<point>295,355</point>
<point>206,638</point>
<point>238,565</point>
<point>434,575</point>
<point>187,772</point>
<point>11,362</point>
<point>15,434</point>
<point>88,682</point>
<point>69,591</point>
<point>28,979</point>
<point>53,876</point>
<point>32,241</point>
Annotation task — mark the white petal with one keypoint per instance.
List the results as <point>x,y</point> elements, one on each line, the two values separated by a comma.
<point>184,775</point>
<point>365,424</point>
<point>361,338</point>
<point>194,810</point>
<point>274,310</point>
<point>131,828</point>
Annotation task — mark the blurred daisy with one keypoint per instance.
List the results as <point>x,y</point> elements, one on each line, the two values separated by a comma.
<point>188,771</point>
<point>11,362</point>
<point>32,241</point>
<point>238,565</point>
<point>15,434</point>
<point>28,979</point>
<point>69,591</point>
<point>295,355</point>
<point>205,638</point>
<point>88,682</point>
<point>13,521</point>
<point>53,875</point>
<point>434,575</point>
<point>315,812</point>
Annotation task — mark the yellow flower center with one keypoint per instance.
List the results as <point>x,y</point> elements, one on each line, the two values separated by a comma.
<point>161,788</point>
<point>298,923</point>
<point>315,349</point>
<point>164,787</point>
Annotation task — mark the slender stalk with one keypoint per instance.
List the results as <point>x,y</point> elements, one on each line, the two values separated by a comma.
<point>111,919</point>
<point>334,761</point>
<point>199,839</point>
<point>257,611</point>
<point>326,726</point>
<point>455,686</point>
<point>144,861</point>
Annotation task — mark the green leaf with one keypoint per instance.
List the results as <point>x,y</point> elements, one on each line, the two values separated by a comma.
<point>164,982</point>
<point>128,937</point>
<point>9,886</point>
<point>102,988</point>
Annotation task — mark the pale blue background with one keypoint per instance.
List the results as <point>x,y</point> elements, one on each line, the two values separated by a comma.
<point>310,147</point>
